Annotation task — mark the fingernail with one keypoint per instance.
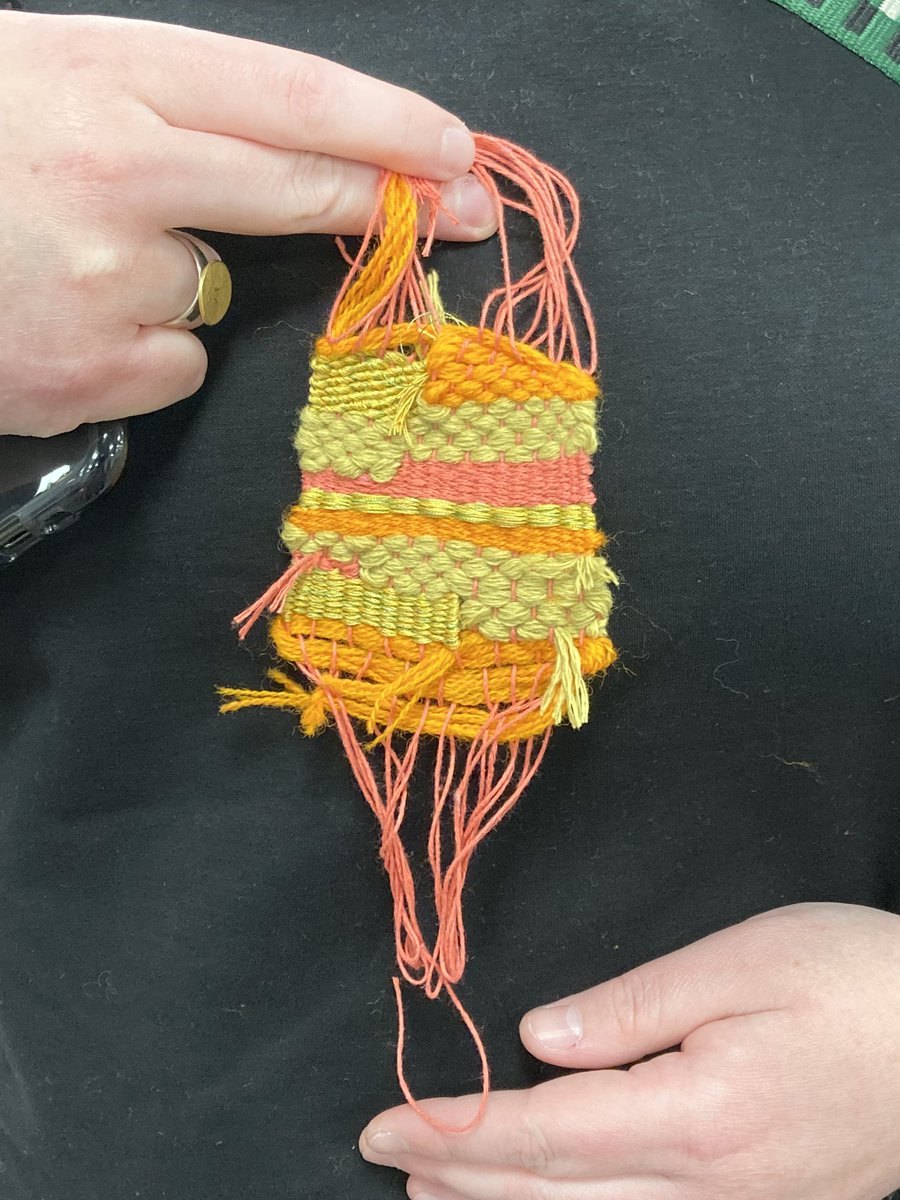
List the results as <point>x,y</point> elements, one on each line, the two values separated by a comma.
<point>470,203</point>
<point>457,150</point>
<point>558,1027</point>
<point>383,1143</point>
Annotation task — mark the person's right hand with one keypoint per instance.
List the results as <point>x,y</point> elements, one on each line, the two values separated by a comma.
<point>113,131</point>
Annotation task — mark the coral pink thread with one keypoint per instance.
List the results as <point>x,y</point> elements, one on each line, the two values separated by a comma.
<point>551,201</point>
<point>495,790</point>
<point>273,598</point>
<point>565,480</point>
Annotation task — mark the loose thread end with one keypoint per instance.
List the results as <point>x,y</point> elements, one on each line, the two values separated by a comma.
<point>567,694</point>
<point>415,1105</point>
<point>273,598</point>
<point>408,399</point>
<point>311,706</point>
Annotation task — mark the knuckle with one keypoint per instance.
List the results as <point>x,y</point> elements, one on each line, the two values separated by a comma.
<point>531,1146</point>
<point>98,168</point>
<point>813,915</point>
<point>312,190</point>
<point>95,268</point>
<point>82,45</point>
<point>635,1000</point>
<point>308,97</point>
<point>408,129</point>
<point>704,1143</point>
<point>713,1130</point>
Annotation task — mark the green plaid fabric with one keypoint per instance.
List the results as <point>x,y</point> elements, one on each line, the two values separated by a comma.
<point>869,27</point>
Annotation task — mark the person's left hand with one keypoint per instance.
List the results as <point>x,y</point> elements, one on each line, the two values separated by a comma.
<point>786,1085</point>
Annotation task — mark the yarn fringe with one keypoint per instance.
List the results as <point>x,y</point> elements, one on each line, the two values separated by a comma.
<point>392,287</point>
<point>472,793</point>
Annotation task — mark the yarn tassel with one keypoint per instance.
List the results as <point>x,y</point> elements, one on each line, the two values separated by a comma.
<point>567,694</point>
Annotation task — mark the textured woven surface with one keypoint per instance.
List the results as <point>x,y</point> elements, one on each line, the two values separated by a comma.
<point>349,442</point>
<point>473,514</point>
<point>871,28</point>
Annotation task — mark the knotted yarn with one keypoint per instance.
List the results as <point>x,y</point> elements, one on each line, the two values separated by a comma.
<point>446,578</point>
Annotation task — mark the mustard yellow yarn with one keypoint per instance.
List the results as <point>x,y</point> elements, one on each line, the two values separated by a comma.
<point>352,443</point>
<point>331,594</point>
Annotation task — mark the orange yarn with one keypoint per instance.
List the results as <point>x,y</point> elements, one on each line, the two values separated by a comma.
<point>474,651</point>
<point>409,334</point>
<point>470,364</point>
<point>367,672</point>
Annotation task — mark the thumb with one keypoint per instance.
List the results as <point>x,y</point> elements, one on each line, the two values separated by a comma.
<point>658,1005</point>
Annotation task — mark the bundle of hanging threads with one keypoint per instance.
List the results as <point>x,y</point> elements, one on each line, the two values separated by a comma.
<point>445,578</point>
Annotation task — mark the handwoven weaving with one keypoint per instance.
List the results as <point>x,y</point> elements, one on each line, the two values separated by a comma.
<point>446,576</point>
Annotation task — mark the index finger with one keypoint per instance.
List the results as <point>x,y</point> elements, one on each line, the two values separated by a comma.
<point>214,83</point>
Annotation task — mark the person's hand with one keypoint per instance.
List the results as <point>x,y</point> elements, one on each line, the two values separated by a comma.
<point>786,1085</point>
<point>111,132</point>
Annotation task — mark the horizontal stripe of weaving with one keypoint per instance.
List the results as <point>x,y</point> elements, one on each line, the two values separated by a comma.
<point>525,539</point>
<point>426,556</point>
<point>536,592</point>
<point>354,443</point>
<point>363,383</point>
<point>359,662</point>
<point>565,516</point>
<point>474,652</point>
<point>567,479</point>
<point>460,352</point>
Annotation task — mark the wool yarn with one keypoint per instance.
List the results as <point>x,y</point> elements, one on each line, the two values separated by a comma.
<point>446,575</point>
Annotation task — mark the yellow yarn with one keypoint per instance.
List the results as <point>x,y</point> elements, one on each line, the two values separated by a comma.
<point>424,565</point>
<point>363,383</point>
<point>522,538</point>
<point>500,592</point>
<point>566,516</point>
<point>354,443</point>
<point>567,693</point>
<point>331,594</point>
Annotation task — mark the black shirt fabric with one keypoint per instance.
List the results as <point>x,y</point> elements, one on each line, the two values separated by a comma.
<point>195,944</point>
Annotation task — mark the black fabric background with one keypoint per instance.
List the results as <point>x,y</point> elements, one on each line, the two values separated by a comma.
<point>195,943</point>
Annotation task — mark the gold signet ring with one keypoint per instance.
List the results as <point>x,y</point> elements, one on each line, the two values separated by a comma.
<point>213,296</point>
